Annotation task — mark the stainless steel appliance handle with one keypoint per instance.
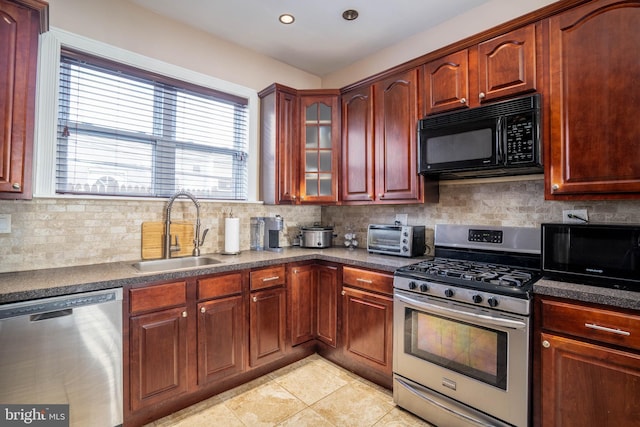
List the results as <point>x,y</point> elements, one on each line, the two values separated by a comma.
<point>478,318</point>
<point>465,417</point>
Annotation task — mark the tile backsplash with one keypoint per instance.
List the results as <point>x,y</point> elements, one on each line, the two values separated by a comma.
<point>50,233</point>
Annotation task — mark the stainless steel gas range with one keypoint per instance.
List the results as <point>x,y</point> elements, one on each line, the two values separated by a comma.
<point>462,327</point>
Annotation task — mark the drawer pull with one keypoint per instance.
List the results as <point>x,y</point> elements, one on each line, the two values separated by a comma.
<point>255,299</point>
<point>203,310</point>
<point>605,329</point>
<point>184,314</point>
<point>364,280</point>
<point>269,279</point>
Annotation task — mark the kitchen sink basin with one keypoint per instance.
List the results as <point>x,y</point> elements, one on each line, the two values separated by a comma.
<point>159,265</point>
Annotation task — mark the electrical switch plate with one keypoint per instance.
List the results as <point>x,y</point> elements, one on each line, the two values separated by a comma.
<point>5,223</point>
<point>402,219</point>
<point>575,216</point>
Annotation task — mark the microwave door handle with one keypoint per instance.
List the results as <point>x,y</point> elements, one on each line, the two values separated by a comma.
<point>500,136</point>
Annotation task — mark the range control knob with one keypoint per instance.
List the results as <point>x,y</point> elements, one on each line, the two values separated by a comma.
<point>493,302</point>
<point>424,288</point>
<point>448,293</point>
<point>412,285</point>
<point>477,299</point>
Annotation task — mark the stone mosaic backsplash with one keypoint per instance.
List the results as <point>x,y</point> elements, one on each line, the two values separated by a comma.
<point>50,233</point>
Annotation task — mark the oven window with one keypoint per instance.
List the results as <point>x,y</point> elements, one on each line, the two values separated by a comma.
<point>471,350</point>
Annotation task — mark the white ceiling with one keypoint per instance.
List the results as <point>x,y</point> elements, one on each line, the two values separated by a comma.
<point>319,41</point>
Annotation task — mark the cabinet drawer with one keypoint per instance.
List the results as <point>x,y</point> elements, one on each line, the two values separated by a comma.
<point>219,286</point>
<point>157,297</point>
<point>369,280</point>
<point>598,324</point>
<point>267,277</point>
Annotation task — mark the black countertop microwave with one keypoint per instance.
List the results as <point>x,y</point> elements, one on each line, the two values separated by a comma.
<point>596,254</point>
<point>498,139</point>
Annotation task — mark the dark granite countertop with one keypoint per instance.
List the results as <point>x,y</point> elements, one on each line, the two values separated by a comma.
<point>586,293</point>
<point>34,284</point>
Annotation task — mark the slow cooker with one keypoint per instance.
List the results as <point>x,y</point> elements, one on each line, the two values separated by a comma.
<point>316,236</point>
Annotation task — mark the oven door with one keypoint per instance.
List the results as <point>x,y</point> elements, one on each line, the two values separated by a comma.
<point>473,355</point>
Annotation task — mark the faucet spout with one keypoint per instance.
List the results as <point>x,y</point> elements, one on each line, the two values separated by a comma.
<point>197,242</point>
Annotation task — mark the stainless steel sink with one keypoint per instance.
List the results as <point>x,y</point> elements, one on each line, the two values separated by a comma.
<point>158,265</point>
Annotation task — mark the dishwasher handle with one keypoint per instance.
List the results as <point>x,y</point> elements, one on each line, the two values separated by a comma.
<point>51,315</point>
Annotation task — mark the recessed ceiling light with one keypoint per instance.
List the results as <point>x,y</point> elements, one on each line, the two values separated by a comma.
<point>350,14</point>
<point>286,18</point>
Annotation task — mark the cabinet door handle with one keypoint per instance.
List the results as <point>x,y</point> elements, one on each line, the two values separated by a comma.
<point>364,280</point>
<point>270,279</point>
<point>481,95</point>
<point>184,314</point>
<point>343,293</point>
<point>255,299</point>
<point>546,344</point>
<point>203,310</point>
<point>463,100</point>
<point>295,271</point>
<point>605,329</point>
<point>16,186</point>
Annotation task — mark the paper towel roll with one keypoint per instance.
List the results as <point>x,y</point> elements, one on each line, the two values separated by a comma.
<point>232,235</point>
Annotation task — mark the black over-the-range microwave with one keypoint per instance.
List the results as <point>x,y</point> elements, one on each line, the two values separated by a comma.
<point>498,139</point>
<point>605,255</point>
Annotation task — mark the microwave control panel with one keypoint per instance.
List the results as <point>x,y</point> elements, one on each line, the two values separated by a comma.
<point>520,136</point>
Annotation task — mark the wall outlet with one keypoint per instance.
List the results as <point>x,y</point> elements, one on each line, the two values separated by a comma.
<point>575,216</point>
<point>402,219</point>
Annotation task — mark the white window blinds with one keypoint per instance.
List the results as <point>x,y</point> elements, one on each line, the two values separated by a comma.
<point>127,132</point>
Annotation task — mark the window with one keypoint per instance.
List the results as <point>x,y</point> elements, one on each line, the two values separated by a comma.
<point>126,132</point>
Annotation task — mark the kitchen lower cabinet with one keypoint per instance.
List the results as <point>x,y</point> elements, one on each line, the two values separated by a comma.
<point>302,284</point>
<point>221,327</point>
<point>267,316</point>
<point>593,149</point>
<point>158,344</point>
<point>587,365</point>
<point>327,307</point>
<point>367,323</point>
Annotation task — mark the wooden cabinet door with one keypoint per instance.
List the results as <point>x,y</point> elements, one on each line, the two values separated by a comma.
<point>588,385</point>
<point>446,83</point>
<point>396,116</point>
<point>302,303</point>
<point>327,312</point>
<point>357,146</point>
<point>19,27</point>
<point>220,338</point>
<point>507,64</point>
<point>279,145</point>
<point>319,144</point>
<point>367,327</point>
<point>267,315</point>
<point>594,71</point>
<point>158,356</point>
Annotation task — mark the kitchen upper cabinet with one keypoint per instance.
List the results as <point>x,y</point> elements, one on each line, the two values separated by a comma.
<point>267,315</point>
<point>588,365</point>
<point>358,169</point>
<point>221,327</point>
<point>279,145</point>
<point>20,24</point>
<point>300,145</point>
<point>497,68</point>
<point>379,147</point>
<point>320,147</point>
<point>158,344</point>
<point>593,150</point>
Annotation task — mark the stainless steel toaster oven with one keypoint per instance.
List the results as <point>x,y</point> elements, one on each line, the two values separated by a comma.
<point>399,240</point>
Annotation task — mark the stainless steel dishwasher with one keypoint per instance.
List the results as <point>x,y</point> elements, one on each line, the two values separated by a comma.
<point>65,350</point>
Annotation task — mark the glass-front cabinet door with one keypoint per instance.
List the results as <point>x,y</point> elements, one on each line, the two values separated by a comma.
<point>320,147</point>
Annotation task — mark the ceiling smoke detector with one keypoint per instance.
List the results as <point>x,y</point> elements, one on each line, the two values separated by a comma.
<point>350,14</point>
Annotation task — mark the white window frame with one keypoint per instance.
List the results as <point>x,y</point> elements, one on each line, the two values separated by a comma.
<point>51,42</point>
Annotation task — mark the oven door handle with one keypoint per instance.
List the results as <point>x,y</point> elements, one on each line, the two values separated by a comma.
<point>478,318</point>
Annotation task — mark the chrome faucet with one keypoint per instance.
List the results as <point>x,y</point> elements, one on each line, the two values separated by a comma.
<point>197,241</point>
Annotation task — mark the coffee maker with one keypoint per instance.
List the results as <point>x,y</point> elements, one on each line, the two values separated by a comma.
<point>265,233</point>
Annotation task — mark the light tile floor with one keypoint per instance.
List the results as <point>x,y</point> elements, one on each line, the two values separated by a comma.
<point>311,392</point>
